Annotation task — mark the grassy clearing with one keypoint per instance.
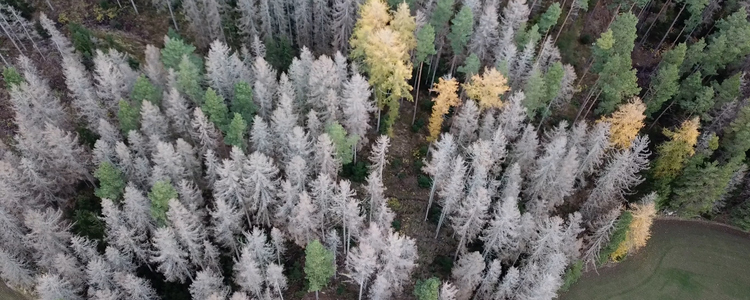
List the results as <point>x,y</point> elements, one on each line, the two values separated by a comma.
<point>683,260</point>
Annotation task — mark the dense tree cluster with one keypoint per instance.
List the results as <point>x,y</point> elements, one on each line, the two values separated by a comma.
<point>206,170</point>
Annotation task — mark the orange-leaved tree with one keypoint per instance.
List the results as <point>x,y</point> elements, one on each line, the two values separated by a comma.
<point>447,90</point>
<point>626,122</point>
<point>487,88</point>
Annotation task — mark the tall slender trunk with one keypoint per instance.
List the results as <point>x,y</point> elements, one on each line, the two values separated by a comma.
<point>361,287</point>
<point>662,113</point>
<point>437,61</point>
<point>429,202</point>
<point>135,8</point>
<point>278,288</point>
<point>440,222</point>
<point>378,127</point>
<point>614,16</point>
<point>118,3</point>
<point>586,71</point>
<point>670,27</point>
<point>171,14</point>
<point>656,19</point>
<point>28,35</point>
<point>460,245</point>
<point>586,101</point>
<point>316,295</point>
<point>4,61</point>
<point>592,104</point>
<point>10,37</point>
<point>678,37</point>
<point>52,8</point>
<point>572,5</point>
<point>416,96</point>
<point>644,9</point>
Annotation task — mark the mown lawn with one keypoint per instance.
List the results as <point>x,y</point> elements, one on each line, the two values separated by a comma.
<point>683,260</point>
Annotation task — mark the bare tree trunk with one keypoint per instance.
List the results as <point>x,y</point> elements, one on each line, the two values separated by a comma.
<point>592,104</point>
<point>460,244</point>
<point>645,35</point>
<point>378,127</point>
<point>134,7</point>
<point>28,35</point>
<point>169,5</point>
<point>4,61</point>
<point>614,16</point>
<point>572,4</point>
<point>118,3</point>
<point>645,8</point>
<point>662,113</point>
<point>586,101</point>
<point>678,37</point>
<point>429,202</point>
<point>416,96</point>
<point>10,37</point>
<point>591,63</point>
<point>50,5</point>
<point>670,27</point>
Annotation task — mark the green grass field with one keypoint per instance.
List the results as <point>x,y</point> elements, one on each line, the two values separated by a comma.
<point>683,260</point>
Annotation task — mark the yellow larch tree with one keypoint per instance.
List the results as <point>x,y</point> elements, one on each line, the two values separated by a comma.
<point>373,15</point>
<point>447,96</point>
<point>383,44</point>
<point>405,24</point>
<point>640,227</point>
<point>487,88</point>
<point>626,122</point>
<point>672,153</point>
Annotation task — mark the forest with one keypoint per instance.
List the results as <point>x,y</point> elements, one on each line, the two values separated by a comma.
<point>360,149</point>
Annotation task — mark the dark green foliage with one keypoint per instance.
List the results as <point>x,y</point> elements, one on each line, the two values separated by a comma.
<point>11,77</point>
<point>356,172</point>
<point>424,181</point>
<point>523,37</point>
<point>174,50</point>
<point>693,56</point>
<point>343,141</point>
<point>729,45</point>
<point>396,225</point>
<point>727,91</point>
<point>159,195</point>
<point>243,101</point>
<point>189,80</point>
<point>425,44</point>
<point>279,53</point>
<point>701,184</point>
<point>442,264</point>
<point>553,81</point>
<point>319,266</point>
<point>741,215</point>
<point>471,66</point>
<point>86,216</point>
<point>235,135</point>
<point>111,181</point>
<point>736,140</point>
<point>129,117</point>
<point>441,15</point>
<point>82,41</point>
<point>427,289</point>
<point>535,93</point>
<point>24,7</point>
<point>144,90</point>
<point>617,237</point>
<point>549,18</point>
<point>462,26</point>
<point>693,97</point>
<point>618,82</point>
<point>216,110</point>
<point>665,83</point>
<point>572,274</point>
<point>418,125</point>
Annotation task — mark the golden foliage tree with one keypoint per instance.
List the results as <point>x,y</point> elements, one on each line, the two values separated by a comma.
<point>640,227</point>
<point>405,24</point>
<point>383,44</point>
<point>626,122</point>
<point>672,154</point>
<point>487,89</point>
<point>639,230</point>
<point>373,16</point>
<point>447,90</point>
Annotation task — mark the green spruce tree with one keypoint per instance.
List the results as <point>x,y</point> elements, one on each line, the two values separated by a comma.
<point>319,266</point>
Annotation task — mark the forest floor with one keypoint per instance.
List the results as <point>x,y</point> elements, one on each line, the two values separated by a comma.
<point>682,260</point>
